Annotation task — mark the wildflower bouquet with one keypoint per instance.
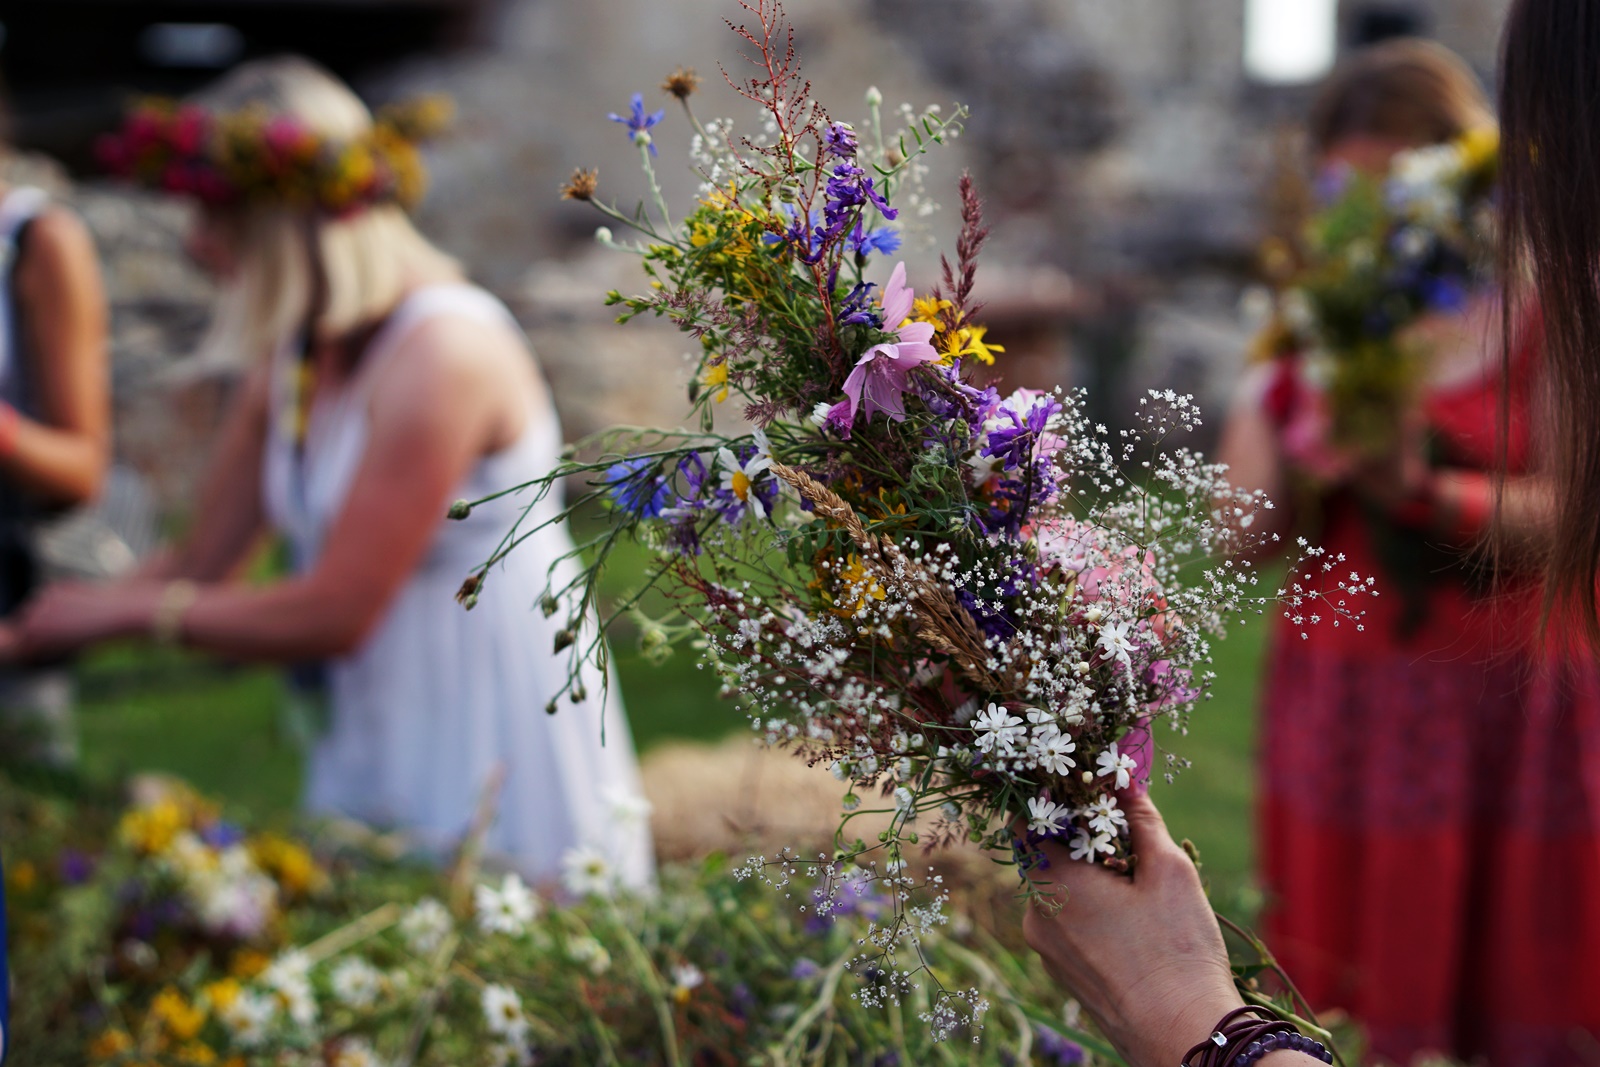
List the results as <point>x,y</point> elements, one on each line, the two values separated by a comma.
<point>393,965</point>
<point>970,605</point>
<point>1382,255</point>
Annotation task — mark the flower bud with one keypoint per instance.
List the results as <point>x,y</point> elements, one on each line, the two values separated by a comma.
<point>603,234</point>
<point>641,138</point>
<point>578,695</point>
<point>459,510</point>
<point>564,639</point>
<point>549,605</point>
<point>874,97</point>
<point>550,708</point>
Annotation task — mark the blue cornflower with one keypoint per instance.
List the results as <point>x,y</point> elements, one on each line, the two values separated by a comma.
<point>637,488</point>
<point>1445,294</point>
<point>638,122</point>
<point>881,240</point>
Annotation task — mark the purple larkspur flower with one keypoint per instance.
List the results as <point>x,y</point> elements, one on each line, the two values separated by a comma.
<point>840,139</point>
<point>857,309</point>
<point>637,488</point>
<point>1015,437</point>
<point>849,189</point>
<point>638,122</point>
<point>880,378</point>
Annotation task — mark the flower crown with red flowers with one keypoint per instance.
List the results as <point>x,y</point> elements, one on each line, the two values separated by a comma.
<point>255,156</point>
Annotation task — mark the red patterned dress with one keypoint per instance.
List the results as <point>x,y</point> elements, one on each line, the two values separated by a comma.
<point>1430,795</point>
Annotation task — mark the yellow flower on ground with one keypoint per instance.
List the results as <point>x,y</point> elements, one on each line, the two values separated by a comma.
<point>23,876</point>
<point>180,1018</point>
<point>198,1053</point>
<point>222,993</point>
<point>152,830</point>
<point>290,863</point>
<point>715,380</point>
<point>110,1044</point>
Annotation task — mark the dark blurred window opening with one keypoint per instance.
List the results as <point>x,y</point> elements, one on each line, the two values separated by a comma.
<point>200,45</point>
<point>69,67</point>
<point>1371,23</point>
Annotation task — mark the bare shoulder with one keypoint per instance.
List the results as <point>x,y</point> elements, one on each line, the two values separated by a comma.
<point>456,364</point>
<point>57,244</point>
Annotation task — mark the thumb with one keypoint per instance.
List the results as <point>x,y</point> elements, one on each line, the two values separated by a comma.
<point>1147,830</point>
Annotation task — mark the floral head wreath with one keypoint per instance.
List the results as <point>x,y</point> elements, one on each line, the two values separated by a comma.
<point>254,156</point>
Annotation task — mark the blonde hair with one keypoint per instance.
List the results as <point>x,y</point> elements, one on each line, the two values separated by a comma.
<point>1407,89</point>
<point>298,268</point>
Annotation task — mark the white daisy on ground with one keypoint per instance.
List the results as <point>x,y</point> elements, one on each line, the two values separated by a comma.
<point>426,926</point>
<point>586,872</point>
<point>502,1012</point>
<point>507,910</point>
<point>356,983</point>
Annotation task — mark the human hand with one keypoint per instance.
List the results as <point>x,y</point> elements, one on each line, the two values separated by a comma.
<point>1143,955</point>
<point>70,615</point>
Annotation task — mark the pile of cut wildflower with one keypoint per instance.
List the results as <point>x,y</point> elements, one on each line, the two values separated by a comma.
<point>367,963</point>
<point>1379,255</point>
<point>973,606</point>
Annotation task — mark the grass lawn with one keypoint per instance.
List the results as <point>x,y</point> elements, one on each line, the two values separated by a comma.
<point>226,730</point>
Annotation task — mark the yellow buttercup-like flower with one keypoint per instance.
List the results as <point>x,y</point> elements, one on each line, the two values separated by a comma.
<point>928,309</point>
<point>1479,147</point>
<point>956,345</point>
<point>976,345</point>
<point>715,380</point>
<point>286,861</point>
<point>151,830</point>
<point>180,1018</point>
<point>856,587</point>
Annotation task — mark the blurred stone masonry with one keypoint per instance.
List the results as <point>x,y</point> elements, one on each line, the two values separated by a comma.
<point>1123,155</point>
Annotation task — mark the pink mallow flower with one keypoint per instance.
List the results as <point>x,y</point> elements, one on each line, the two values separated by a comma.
<point>879,380</point>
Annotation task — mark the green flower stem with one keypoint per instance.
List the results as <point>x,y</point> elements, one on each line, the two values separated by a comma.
<point>652,982</point>
<point>821,1005</point>
<point>655,186</point>
<point>352,933</point>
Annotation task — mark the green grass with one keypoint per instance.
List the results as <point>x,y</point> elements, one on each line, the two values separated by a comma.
<point>225,729</point>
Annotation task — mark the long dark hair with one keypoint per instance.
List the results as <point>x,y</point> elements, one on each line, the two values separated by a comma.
<point>1550,250</point>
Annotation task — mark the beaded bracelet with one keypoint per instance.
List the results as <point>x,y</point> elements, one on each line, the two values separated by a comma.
<point>1246,1034</point>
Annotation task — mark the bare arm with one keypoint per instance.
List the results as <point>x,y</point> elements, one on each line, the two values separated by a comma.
<point>1249,447</point>
<point>428,424</point>
<point>228,519</point>
<point>61,453</point>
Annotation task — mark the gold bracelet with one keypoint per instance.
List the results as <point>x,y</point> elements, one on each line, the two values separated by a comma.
<point>166,624</point>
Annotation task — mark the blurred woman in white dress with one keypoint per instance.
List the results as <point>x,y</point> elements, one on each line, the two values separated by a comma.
<point>382,388</point>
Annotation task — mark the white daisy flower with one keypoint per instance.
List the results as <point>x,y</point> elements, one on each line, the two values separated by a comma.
<point>356,983</point>
<point>1111,762</point>
<point>998,729</point>
<point>507,910</point>
<point>586,872</point>
<point>426,926</point>
<point>1045,815</point>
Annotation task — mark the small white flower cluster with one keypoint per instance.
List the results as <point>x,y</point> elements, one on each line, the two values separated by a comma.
<point>228,892</point>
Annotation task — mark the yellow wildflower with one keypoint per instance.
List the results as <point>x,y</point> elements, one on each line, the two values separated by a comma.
<point>110,1044</point>
<point>976,345</point>
<point>857,586</point>
<point>23,876</point>
<point>928,309</point>
<point>222,993</point>
<point>290,863</point>
<point>181,1019</point>
<point>715,379</point>
<point>151,830</point>
<point>198,1053</point>
<point>247,963</point>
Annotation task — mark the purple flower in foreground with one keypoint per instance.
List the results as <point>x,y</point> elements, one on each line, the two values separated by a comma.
<point>881,377</point>
<point>637,488</point>
<point>857,309</point>
<point>1056,1049</point>
<point>638,122</point>
<point>1015,440</point>
<point>840,139</point>
<point>804,969</point>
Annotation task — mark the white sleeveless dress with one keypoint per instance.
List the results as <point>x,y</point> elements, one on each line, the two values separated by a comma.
<point>439,698</point>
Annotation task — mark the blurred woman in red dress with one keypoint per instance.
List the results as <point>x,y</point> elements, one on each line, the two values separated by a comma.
<point>1429,804</point>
